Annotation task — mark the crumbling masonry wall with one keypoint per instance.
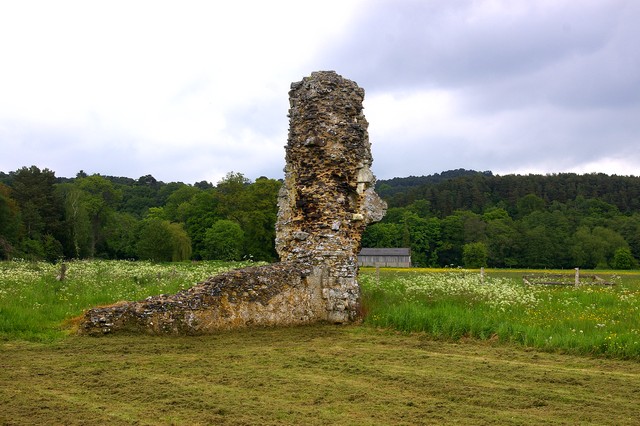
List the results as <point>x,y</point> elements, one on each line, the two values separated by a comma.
<point>328,194</point>
<point>325,203</point>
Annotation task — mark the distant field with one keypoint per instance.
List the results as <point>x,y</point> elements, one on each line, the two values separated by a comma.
<point>436,347</point>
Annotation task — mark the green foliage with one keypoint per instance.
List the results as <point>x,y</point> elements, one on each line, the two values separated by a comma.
<point>31,249</point>
<point>475,255</point>
<point>502,239</point>
<point>121,235</point>
<point>52,249</point>
<point>258,219</point>
<point>423,236</point>
<point>479,191</point>
<point>452,240</point>
<point>554,221</point>
<point>528,204</point>
<point>9,222</point>
<point>177,202</point>
<point>623,259</point>
<point>99,199</point>
<point>163,241</point>
<point>99,216</point>
<point>139,195</point>
<point>223,241</point>
<point>155,242</point>
<point>383,234</point>
<point>596,247</point>
<point>41,211</point>
<point>524,221</point>
<point>199,214</point>
<point>180,242</point>
<point>77,221</point>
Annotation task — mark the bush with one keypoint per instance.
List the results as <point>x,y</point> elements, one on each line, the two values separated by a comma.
<point>223,241</point>
<point>53,250</point>
<point>623,259</point>
<point>32,250</point>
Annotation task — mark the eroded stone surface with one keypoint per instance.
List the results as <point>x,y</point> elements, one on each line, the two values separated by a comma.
<point>325,203</point>
<point>274,294</point>
<point>328,197</point>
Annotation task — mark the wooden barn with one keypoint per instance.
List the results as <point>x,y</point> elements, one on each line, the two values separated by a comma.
<point>385,257</point>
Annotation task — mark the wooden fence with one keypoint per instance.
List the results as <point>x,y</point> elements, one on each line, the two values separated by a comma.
<point>564,279</point>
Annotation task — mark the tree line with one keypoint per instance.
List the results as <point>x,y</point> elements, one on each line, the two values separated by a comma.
<point>45,217</point>
<point>468,218</point>
<point>455,218</point>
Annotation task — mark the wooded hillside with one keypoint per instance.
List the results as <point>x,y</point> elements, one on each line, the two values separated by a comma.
<point>42,216</point>
<point>533,221</point>
<point>454,218</point>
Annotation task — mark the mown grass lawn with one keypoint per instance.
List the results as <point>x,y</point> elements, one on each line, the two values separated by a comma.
<point>324,374</point>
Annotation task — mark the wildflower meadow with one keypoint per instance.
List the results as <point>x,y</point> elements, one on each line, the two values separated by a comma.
<point>445,304</point>
<point>586,319</point>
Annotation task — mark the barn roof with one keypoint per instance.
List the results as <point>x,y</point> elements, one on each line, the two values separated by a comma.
<point>385,252</point>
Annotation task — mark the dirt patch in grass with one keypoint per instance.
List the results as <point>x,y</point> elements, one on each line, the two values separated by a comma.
<point>308,375</point>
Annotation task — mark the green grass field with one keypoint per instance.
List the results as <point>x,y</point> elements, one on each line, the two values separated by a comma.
<point>435,347</point>
<point>315,375</point>
<point>589,319</point>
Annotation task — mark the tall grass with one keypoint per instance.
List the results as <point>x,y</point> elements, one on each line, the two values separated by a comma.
<point>599,320</point>
<point>34,304</point>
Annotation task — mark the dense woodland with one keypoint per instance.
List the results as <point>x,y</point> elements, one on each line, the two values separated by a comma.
<point>42,216</point>
<point>455,218</point>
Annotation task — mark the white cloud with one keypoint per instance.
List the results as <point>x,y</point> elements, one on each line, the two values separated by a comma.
<point>151,79</point>
<point>192,90</point>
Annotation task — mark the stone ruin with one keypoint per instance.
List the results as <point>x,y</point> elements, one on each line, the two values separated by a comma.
<point>325,203</point>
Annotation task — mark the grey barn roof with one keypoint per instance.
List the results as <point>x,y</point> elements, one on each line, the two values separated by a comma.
<point>385,252</point>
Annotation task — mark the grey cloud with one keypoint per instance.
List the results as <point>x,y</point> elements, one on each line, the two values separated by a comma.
<point>65,150</point>
<point>562,78</point>
<point>404,43</point>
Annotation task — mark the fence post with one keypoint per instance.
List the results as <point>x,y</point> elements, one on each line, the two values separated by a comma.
<point>63,271</point>
<point>577,277</point>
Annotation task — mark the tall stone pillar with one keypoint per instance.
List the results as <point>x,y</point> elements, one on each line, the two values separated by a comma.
<point>328,194</point>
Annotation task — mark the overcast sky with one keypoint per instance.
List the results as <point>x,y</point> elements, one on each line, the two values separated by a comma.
<point>190,90</point>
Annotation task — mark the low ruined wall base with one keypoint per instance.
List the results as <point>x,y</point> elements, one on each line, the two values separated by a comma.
<point>273,295</point>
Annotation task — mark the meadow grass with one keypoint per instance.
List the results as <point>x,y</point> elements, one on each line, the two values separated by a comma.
<point>589,319</point>
<point>445,304</point>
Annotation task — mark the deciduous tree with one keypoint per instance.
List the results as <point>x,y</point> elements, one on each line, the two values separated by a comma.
<point>475,255</point>
<point>223,241</point>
